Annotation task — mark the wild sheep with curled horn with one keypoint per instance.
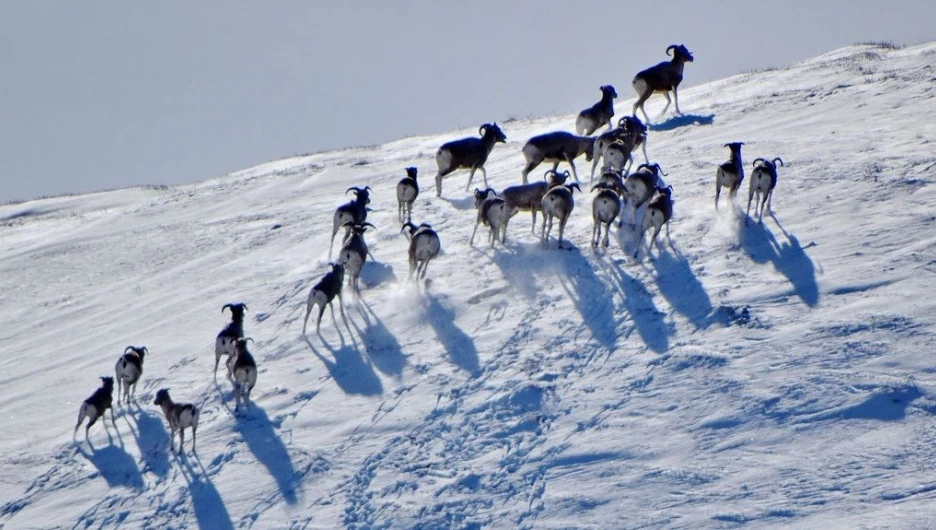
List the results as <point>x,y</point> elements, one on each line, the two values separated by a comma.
<point>632,132</point>
<point>353,254</point>
<point>469,153</point>
<point>592,118</point>
<point>353,212</point>
<point>663,77</point>
<point>493,213</point>
<point>558,203</point>
<point>659,213</point>
<point>640,186</point>
<point>323,293</point>
<point>763,181</point>
<point>529,197</point>
<point>424,245</point>
<point>226,339</point>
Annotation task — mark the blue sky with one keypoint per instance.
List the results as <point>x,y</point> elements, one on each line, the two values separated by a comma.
<point>101,95</point>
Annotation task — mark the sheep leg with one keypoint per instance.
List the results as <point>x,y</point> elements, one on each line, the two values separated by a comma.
<point>562,223</point>
<point>533,228</point>
<point>668,101</point>
<point>596,228</point>
<point>750,196</point>
<point>194,426</point>
<point>569,159</point>
<point>717,191</point>
<point>471,176</point>
<point>82,414</point>
<point>676,99</point>
<point>643,146</point>
<point>531,165</point>
<point>318,321</point>
<point>181,440</point>
<point>763,203</point>
<point>471,241</point>
<point>607,234</point>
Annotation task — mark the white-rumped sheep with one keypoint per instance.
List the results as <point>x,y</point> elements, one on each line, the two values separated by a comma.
<point>469,153</point>
<point>659,213</point>
<point>730,174</point>
<point>350,213</point>
<point>556,147</point>
<point>323,293</point>
<point>244,370</point>
<point>590,119</point>
<point>493,213</point>
<point>763,181</point>
<point>605,208</point>
<point>664,77</point>
<point>424,245</point>
<point>128,370</point>
<point>353,254</point>
<point>526,197</point>
<point>180,416</point>
<point>558,203</point>
<point>96,405</point>
<point>224,343</point>
<point>406,191</point>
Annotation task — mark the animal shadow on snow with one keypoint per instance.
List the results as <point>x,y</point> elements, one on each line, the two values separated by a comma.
<point>459,345</point>
<point>382,347</point>
<point>348,369</point>
<point>683,120</point>
<point>682,289</point>
<point>648,319</point>
<point>153,440</point>
<point>789,258</point>
<point>375,273</point>
<point>115,465</point>
<point>590,294</point>
<point>209,508</point>
<point>264,442</point>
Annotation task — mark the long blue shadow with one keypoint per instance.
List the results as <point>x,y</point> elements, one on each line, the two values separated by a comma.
<point>383,348</point>
<point>683,120</point>
<point>209,508</point>
<point>682,289</point>
<point>458,344</point>
<point>266,445</point>
<point>115,465</point>
<point>348,370</point>
<point>789,258</point>
<point>375,273</point>
<point>648,319</point>
<point>592,297</point>
<point>153,441</point>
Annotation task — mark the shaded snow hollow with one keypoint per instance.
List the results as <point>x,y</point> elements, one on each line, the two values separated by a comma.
<point>759,375</point>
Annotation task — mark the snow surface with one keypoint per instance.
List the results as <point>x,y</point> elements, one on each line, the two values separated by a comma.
<point>775,375</point>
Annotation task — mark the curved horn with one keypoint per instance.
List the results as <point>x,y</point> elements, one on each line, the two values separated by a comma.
<point>549,172</point>
<point>573,185</point>
<point>670,47</point>
<point>367,188</point>
<point>367,223</point>
<point>756,160</point>
<point>483,128</point>
<point>226,306</point>
<point>648,166</point>
<point>145,350</point>
<point>129,348</point>
<point>355,189</point>
<point>775,160</point>
<point>660,170</point>
<point>566,175</point>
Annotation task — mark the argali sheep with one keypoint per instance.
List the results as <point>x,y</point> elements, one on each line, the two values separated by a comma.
<point>525,197</point>
<point>639,187</point>
<point>763,181</point>
<point>406,191</point>
<point>350,213</point>
<point>631,132</point>
<point>556,147</point>
<point>353,254</point>
<point>558,203</point>
<point>224,343</point>
<point>244,370</point>
<point>128,370</point>
<point>605,208</point>
<point>592,118</point>
<point>663,77</point>
<point>424,245</point>
<point>323,293</point>
<point>96,405</point>
<point>492,212</point>
<point>469,153</point>
<point>730,174</point>
<point>659,213</point>
<point>180,416</point>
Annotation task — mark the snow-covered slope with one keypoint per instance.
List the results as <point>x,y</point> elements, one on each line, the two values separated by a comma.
<point>758,375</point>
